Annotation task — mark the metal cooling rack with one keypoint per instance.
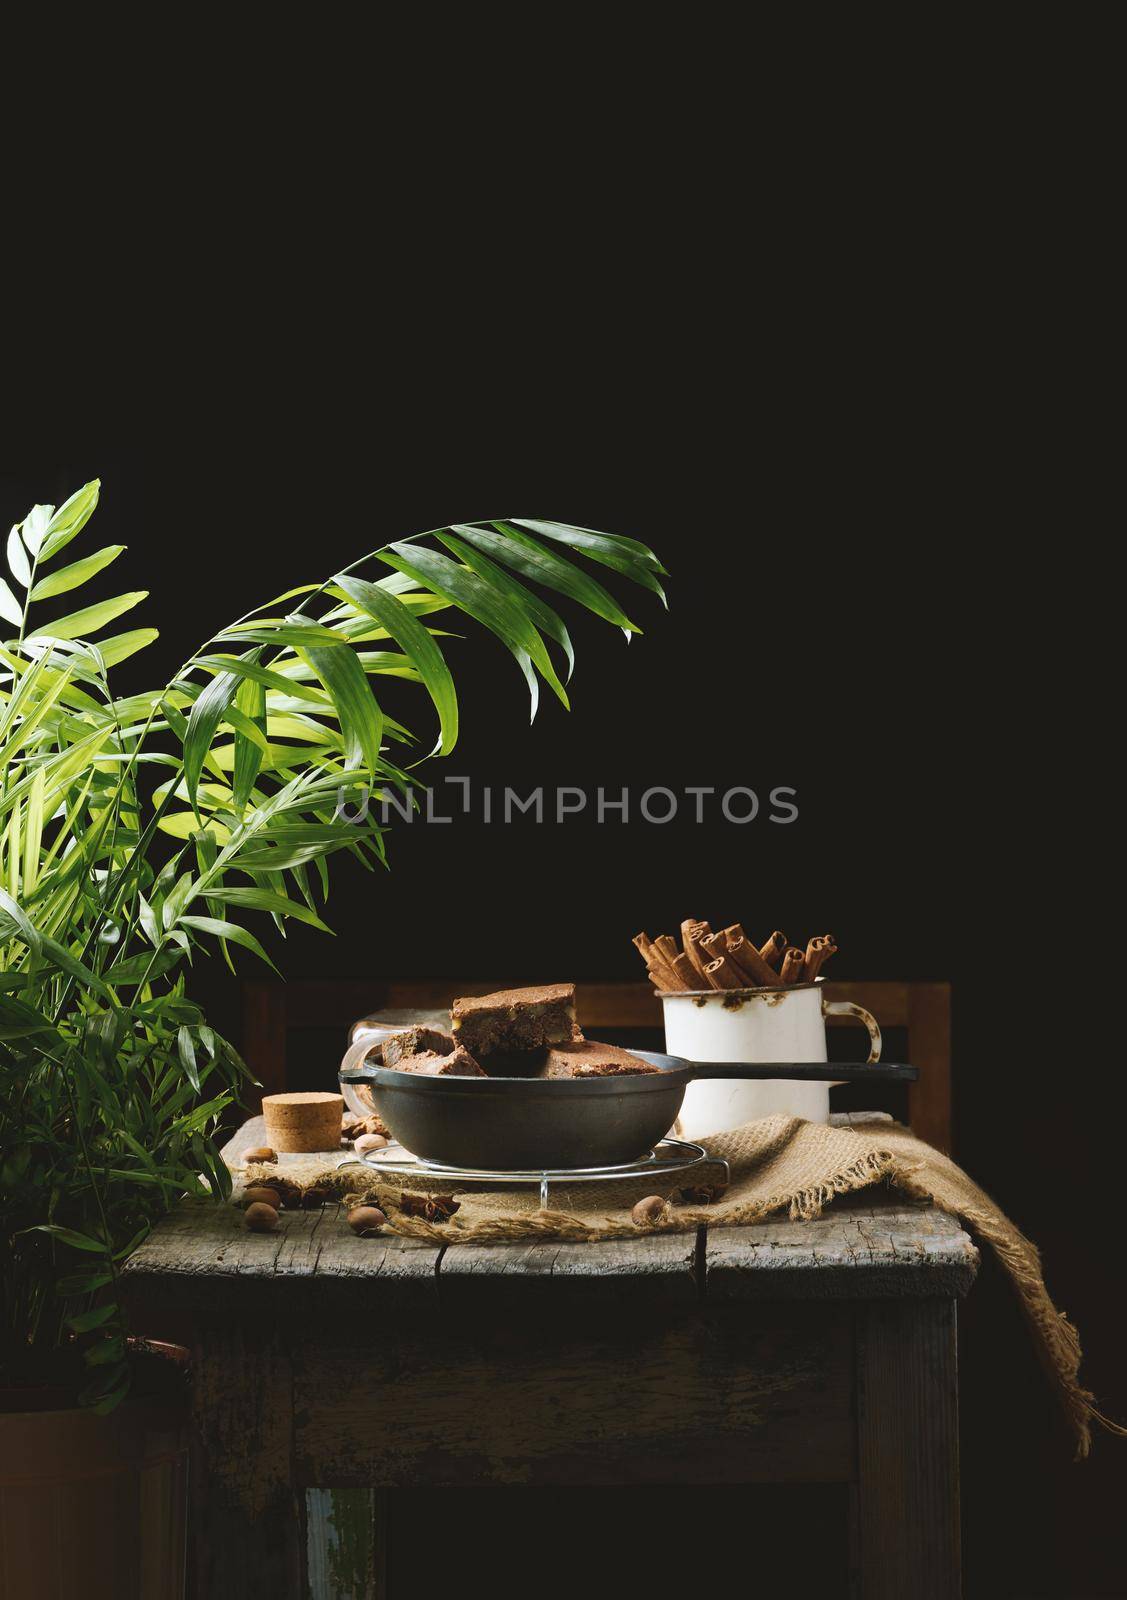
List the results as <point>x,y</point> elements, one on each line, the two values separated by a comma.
<point>668,1155</point>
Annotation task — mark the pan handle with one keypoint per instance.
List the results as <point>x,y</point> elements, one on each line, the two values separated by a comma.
<point>806,1071</point>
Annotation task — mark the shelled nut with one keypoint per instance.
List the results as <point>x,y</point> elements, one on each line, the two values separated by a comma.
<point>366,1220</point>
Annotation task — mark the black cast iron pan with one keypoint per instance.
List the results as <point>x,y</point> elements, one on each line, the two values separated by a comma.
<point>522,1124</point>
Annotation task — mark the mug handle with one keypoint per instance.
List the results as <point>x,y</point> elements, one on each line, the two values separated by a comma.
<point>846,1008</point>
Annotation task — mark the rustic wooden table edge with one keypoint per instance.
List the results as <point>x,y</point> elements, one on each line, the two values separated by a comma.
<point>867,1246</point>
<point>875,1251</point>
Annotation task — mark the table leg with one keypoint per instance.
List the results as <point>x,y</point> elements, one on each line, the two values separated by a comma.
<point>245,1524</point>
<point>346,1543</point>
<point>906,1504</point>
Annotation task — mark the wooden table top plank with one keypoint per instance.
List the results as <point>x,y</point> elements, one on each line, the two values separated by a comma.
<point>655,1267</point>
<point>880,1251</point>
<point>203,1259</point>
<point>876,1252</point>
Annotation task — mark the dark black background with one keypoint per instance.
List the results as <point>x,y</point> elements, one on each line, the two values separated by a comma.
<point>863,606</point>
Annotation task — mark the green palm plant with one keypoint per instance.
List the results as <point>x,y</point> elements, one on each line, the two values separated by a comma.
<point>136,829</point>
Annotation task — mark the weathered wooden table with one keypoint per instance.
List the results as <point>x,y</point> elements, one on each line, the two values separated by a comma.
<point>328,1368</point>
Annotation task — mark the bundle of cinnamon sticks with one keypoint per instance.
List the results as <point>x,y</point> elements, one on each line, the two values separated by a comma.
<point>729,959</point>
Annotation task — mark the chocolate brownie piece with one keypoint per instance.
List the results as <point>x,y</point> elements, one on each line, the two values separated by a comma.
<point>412,1042</point>
<point>457,1064</point>
<point>588,1059</point>
<point>516,1019</point>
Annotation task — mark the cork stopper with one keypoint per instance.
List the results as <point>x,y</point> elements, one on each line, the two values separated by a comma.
<point>303,1122</point>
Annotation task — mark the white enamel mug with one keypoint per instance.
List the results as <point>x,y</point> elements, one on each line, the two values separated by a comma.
<point>755,1025</point>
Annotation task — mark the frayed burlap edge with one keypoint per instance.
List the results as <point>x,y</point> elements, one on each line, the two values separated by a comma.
<point>1056,1340</point>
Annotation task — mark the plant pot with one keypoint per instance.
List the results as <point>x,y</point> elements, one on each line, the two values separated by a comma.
<point>97,1506</point>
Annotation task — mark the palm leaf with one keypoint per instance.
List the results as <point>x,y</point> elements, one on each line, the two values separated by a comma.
<point>67,521</point>
<point>420,648</point>
<point>263,631</point>
<point>361,720</point>
<point>266,900</point>
<point>250,701</point>
<point>77,573</point>
<point>245,667</point>
<point>541,614</point>
<point>81,624</point>
<point>229,931</point>
<point>481,600</point>
<point>203,720</point>
<point>622,555</point>
<point>122,645</point>
<point>17,559</point>
<point>524,555</point>
<point>10,608</point>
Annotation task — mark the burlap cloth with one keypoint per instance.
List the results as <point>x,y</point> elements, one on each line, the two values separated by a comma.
<point>778,1164</point>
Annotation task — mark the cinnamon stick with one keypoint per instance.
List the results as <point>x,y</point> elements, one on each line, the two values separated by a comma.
<point>666,948</point>
<point>792,965</point>
<point>714,947</point>
<point>662,974</point>
<point>696,951</point>
<point>724,975</point>
<point>687,975</point>
<point>746,958</point>
<point>692,928</point>
<point>818,952</point>
<point>775,949</point>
